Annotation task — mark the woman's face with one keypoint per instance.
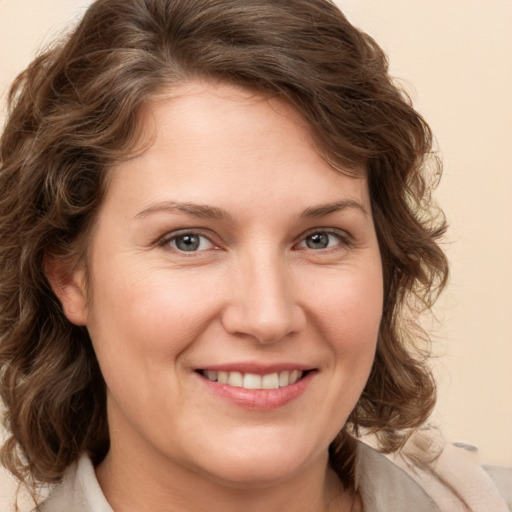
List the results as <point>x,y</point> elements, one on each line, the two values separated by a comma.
<point>235,291</point>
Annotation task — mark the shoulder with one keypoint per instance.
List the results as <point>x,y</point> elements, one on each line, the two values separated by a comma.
<point>8,489</point>
<point>452,476</point>
<point>385,487</point>
<point>14,497</point>
<point>79,490</point>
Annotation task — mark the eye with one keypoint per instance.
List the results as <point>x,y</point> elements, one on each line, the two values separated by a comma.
<point>321,240</point>
<point>188,242</point>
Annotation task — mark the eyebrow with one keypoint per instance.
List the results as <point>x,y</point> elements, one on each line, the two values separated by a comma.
<point>326,209</point>
<point>202,211</point>
<point>205,211</point>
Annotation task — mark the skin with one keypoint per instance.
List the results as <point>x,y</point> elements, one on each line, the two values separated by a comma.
<point>256,291</point>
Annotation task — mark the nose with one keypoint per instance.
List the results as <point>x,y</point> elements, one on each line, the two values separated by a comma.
<point>263,302</point>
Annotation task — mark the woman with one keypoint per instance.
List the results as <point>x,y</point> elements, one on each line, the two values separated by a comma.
<point>216,231</point>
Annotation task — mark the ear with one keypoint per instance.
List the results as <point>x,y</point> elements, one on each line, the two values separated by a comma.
<point>69,287</point>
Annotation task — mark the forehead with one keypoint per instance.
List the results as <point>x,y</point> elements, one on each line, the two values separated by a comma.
<point>210,140</point>
<point>228,102</point>
<point>206,108</point>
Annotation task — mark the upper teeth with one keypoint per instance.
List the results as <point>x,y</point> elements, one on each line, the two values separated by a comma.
<point>254,381</point>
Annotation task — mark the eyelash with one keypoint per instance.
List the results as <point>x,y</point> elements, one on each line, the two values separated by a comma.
<point>167,240</point>
<point>344,240</point>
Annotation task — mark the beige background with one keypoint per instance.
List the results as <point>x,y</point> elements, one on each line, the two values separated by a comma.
<point>455,58</point>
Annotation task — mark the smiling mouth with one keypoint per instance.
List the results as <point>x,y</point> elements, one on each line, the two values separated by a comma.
<point>247,380</point>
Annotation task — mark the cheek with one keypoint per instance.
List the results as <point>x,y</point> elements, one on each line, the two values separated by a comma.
<point>348,313</point>
<point>349,306</point>
<point>144,316</point>
<point>139,334</point>
<point>350,321</point>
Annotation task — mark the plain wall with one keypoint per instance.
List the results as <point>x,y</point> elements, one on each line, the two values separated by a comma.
<point>454,57</point>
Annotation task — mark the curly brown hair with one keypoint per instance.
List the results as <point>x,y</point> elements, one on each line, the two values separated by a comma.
<point>74,113</point>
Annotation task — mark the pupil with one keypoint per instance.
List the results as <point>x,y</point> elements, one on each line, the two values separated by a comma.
<point>318,241</point>
<point>187,242</point>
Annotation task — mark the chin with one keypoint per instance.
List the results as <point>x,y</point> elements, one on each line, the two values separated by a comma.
<point>260,464</point>
<point>246,474</point>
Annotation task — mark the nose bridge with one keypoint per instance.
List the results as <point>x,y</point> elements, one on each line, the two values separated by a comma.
<point>264,304</point>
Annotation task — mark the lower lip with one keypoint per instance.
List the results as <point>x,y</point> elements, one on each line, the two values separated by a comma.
<point>259,399</point>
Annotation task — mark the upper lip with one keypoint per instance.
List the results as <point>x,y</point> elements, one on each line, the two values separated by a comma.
<point>255,368</point>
